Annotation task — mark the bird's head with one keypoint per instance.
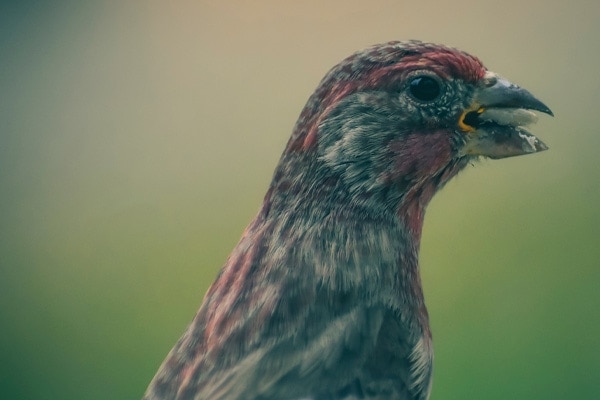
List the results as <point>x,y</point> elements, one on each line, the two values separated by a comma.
<point>391,124</point>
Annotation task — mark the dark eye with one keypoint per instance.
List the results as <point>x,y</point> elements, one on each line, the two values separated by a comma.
<point>424,88</point>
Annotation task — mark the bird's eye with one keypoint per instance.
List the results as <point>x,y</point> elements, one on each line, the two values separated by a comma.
<point>424,88</point>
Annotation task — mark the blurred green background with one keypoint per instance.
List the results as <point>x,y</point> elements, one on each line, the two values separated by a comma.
<point>137,139</point>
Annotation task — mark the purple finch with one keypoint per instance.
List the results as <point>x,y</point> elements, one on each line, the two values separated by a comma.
<point>322,298</point>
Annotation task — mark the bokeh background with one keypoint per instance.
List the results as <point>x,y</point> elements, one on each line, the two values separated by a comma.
<point>137,139</point>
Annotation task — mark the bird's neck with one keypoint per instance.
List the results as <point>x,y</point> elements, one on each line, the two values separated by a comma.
<point>352,246</point>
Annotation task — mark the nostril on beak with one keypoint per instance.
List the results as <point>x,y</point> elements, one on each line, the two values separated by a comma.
<point>490,81</point>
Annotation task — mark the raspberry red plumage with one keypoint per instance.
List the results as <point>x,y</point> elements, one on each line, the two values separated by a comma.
<point>321,298</point>
<point>376,67</point>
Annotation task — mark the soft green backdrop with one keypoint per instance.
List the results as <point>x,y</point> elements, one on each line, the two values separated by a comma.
<point>137,139</point>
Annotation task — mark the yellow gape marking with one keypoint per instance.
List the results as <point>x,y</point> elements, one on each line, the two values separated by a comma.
<point>461,121</point>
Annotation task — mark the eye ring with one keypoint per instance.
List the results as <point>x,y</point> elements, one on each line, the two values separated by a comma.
<point>424,88</point>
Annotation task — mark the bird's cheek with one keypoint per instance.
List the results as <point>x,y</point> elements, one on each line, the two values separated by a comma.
<point>421,155</point>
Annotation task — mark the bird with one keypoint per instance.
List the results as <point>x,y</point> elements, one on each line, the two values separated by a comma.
<point>321,298</point>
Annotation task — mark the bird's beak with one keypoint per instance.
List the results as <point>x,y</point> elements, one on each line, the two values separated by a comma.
<point>493,124</point>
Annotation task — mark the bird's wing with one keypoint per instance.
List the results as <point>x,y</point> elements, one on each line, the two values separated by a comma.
<point>289,370</point>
